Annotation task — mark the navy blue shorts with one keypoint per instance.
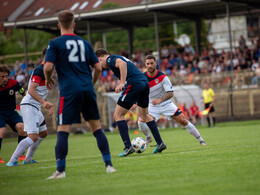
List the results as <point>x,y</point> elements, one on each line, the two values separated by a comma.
<point>71,106</point>
<point>11,118</point>
<point>135,93</point>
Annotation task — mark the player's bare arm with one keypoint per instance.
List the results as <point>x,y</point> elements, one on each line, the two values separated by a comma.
<point>48,70</point>
<point>167,96</point>
<point>123,72</point>
<point>32,91</point>
<point>97,72</point>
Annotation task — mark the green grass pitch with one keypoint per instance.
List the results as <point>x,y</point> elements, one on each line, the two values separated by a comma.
<point>229,164</point>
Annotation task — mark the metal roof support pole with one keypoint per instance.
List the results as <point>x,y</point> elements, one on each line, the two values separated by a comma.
<point>25,46</point>
<point>198,34</point>
<point>231,60</point>
<point>89,32</point>
<point>130,31</point>
<point>157,36</point>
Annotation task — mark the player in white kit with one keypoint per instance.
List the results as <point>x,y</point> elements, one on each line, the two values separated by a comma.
<point>34,122</point>
<point>160,102</point>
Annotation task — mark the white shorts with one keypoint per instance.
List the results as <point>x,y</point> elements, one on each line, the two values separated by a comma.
<point>33,119</point>
<point>168,110</point>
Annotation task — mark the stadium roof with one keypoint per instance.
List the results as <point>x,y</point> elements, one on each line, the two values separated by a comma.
<point>7,8</point>
<point>42,14</point>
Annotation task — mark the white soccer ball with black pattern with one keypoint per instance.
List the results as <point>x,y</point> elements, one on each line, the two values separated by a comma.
<point>139,144</point>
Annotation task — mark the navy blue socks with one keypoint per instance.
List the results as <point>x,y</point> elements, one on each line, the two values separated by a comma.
<point>153,127</point>
<point>103,146</point>
<point>123,130</point>
<point>61,150</point>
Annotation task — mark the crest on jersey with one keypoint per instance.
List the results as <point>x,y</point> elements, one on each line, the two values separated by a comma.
<point>108,60</point>
<point>156,80</point>
<point>11,92</point>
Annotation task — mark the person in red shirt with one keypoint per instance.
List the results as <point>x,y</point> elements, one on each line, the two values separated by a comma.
<point>194,111</point>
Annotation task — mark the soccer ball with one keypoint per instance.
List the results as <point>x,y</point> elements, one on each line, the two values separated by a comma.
<point>139,144</point>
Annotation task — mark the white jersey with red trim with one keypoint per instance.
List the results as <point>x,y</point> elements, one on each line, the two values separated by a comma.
<point>37,77</point>
<point>159,86</point>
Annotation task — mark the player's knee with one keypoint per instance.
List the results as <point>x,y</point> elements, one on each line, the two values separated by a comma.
<point>19,127</point>
<point>43,134</point>
<point>2,132</point>
<point>34,137</point>
<point>140,120</point>
<point>182,120</point>
<point>118,117</point>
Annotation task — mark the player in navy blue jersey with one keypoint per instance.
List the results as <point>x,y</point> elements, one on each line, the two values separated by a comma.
<point>72,57</point>
<point>135,89</point>
<point>34,122</point>
<point>8,115</point>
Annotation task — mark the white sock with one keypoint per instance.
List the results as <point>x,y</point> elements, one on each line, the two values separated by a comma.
<point>21,148</point>
<point>32,150</point>
<point>193,131</point>
<point>144,128</point>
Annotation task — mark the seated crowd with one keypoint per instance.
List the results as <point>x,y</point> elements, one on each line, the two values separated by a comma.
<point>183,65</point>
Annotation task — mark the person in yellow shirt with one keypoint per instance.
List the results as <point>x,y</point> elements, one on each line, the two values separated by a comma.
<point>208,98</point>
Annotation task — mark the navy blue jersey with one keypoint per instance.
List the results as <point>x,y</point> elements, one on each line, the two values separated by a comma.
<point>133,73</point>
<point>72,57</point>
<point>7,95</point>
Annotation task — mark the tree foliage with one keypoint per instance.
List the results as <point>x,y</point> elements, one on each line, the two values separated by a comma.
<point>13,41</point>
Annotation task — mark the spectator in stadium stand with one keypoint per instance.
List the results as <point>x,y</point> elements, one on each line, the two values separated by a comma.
<point>242,43</point>
<point>208,99</point>
<point>135,89</point>
<point>183,71</point>
<point>164,52</point>
<point>205,53</point>
<point>172,50</point>
<point>148,51</point>
<point>30,67</point>
<point>8,115</point>
<point>20,77</point>
<point>212,51</point>
<point>254,65</point>
<point>172,60</point>
<point>23,65</point>
<point>189,49</point>
<point>72,57</point>
<point>181,60</point>
<point>256,77</point>
<point>195,67</point>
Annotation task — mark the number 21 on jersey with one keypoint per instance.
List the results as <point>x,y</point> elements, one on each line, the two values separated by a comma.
<point>75,46</point>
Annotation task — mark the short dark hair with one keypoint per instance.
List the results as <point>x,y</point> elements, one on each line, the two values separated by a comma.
<point>101,52</point>
<point>66,18</point>
<point>149,57</point>
<point>5,68</point>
